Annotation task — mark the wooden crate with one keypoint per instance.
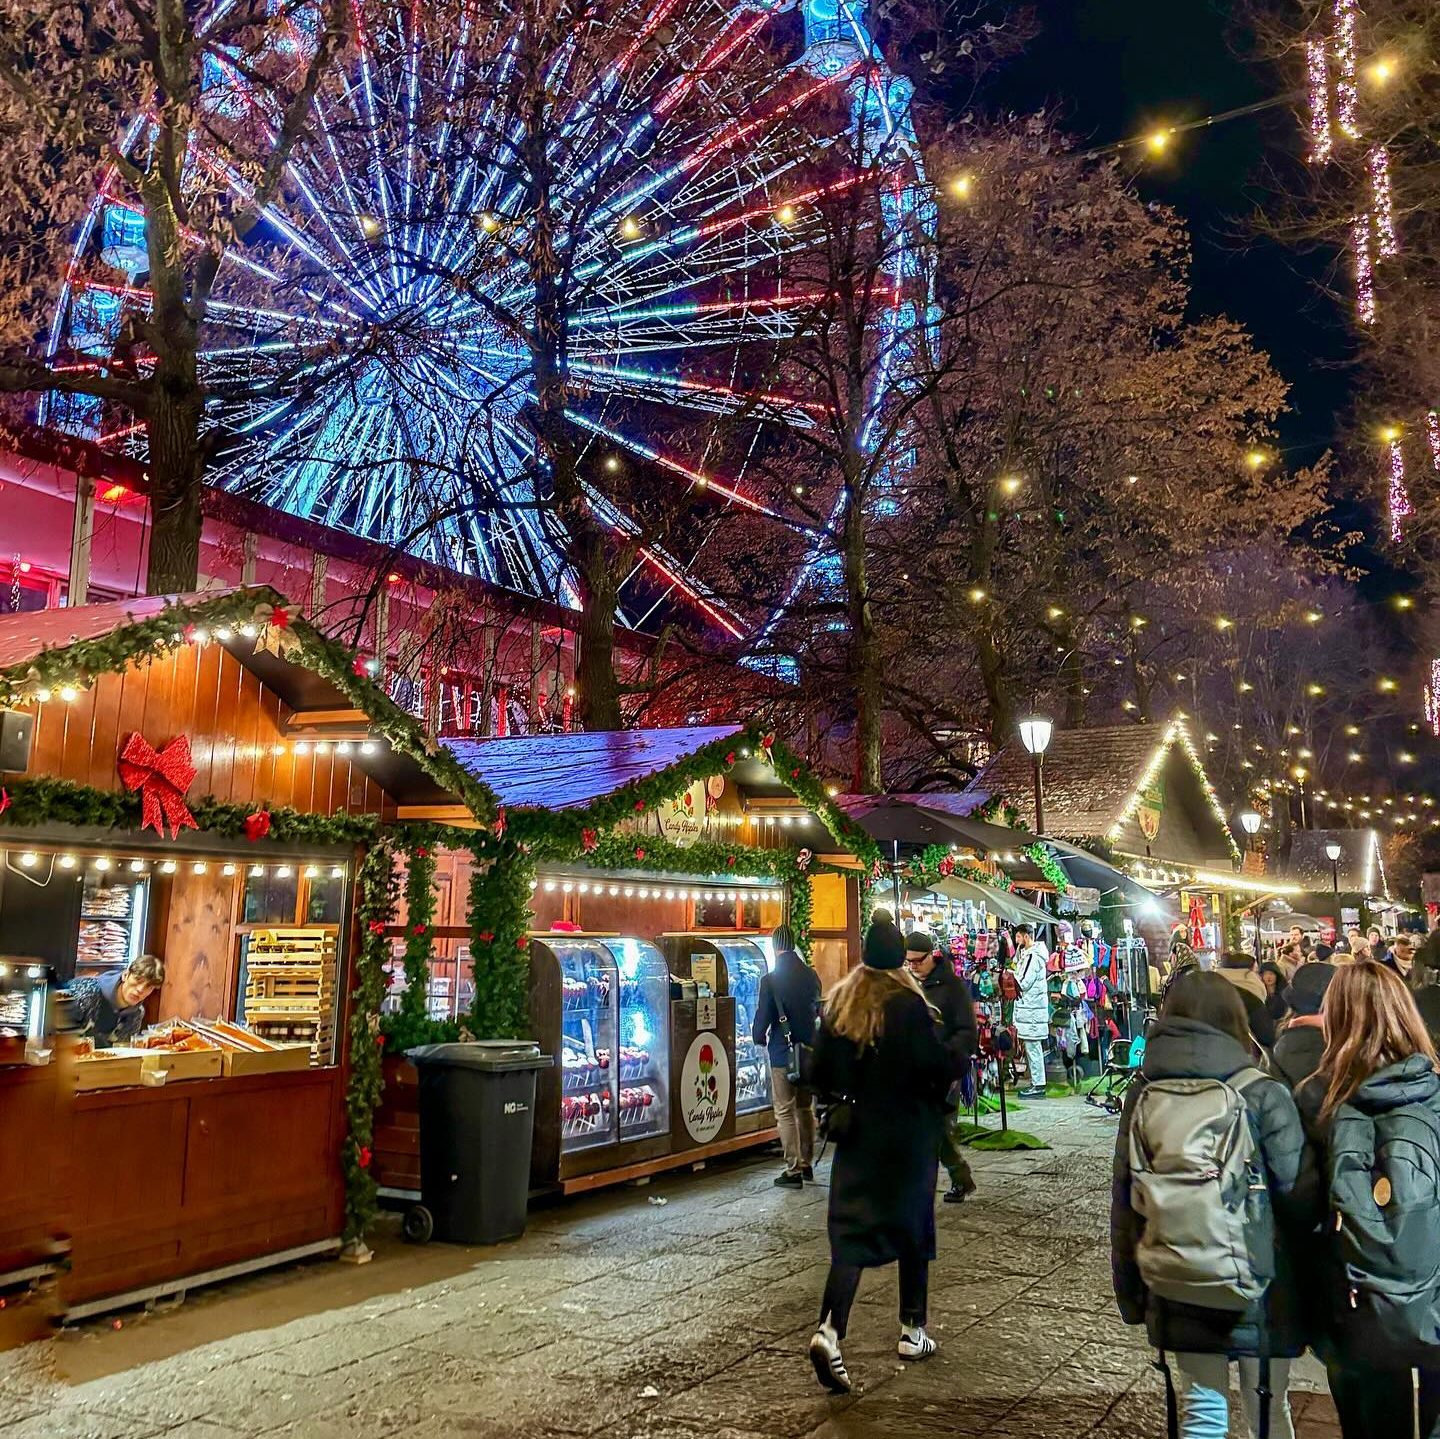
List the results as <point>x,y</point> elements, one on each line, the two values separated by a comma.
<point>111,1069</point>
<point>176,1065</point>
<point>290,979</point>
<point>269,1061</point>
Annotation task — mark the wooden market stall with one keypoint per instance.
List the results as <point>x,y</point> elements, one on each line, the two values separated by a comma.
<point>181,786</point>
<point>623,899</point>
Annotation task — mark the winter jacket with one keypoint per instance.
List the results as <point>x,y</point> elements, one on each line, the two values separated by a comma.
<point>1411,1081</point>
<point>882,1183</point>
<point>1032,1010</point>
<point>96,1011</point>
<point>793,984</point>
<point>1297,1051</point>
<point>1251,989</point>
<point>1186,1049</point>
<point>959,1032</point>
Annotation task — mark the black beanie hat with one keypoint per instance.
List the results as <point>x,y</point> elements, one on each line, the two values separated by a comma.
<point>884,948</point>
<point>918,942</point>
<point>1307,990</point>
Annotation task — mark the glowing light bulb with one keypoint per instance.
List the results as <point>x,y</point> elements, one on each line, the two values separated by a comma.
<point>29,859</point>
<point>67,861</point>
<point>370,227</point>
<point>962,186</point>
<point>199,867</point>
<point>137,866</point>
<point>1157,140</point>
<point>977,595</point>
<point>488,223</point>
<point>69,693</point>
<point>42,694</point>
<point>102,864</point>
<point>786,214</point>
<point>1011,484</point>
<point>227,869</point>
<point>168,867</point>
<point>630,228</point>
<point>1382,71</point>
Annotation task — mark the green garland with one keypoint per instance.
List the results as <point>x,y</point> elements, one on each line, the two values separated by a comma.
<point>998,810</point>
<point>376,892</point>
<point>500,941</point>
<point>925,871</point>
<point>419,929</point>
<point>260,609</point>
<point>1048,865</point>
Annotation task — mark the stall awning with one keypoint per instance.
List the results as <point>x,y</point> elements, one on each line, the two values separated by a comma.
<point>570,771</point>
<point>997,901</point>
<point>891,819</point>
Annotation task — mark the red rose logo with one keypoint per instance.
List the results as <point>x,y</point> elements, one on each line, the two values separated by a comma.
<point>707,1055</point>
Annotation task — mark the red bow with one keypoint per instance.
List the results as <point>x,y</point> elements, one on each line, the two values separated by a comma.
<point>5,800</point>
<point>162,777</point>
<point>589,840</point>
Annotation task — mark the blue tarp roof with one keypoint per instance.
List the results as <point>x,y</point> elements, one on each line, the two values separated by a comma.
<point>570,771</point>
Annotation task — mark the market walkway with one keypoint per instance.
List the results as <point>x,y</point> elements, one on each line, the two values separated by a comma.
<point>635,1318</point>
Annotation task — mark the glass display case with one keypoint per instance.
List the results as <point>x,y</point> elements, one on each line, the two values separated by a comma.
<point>112,921</point>
<point>25,990</point>
<point>746,963</point>
<point>614,1040</point>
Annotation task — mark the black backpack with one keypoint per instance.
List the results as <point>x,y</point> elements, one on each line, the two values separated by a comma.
<point>1385,1221</point>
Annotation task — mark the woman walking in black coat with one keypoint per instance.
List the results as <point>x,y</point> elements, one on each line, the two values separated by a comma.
<point>1203,1035</point>
<point>880,1061</point>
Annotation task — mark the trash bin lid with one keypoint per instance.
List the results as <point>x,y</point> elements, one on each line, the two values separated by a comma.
<point>494,1055</point>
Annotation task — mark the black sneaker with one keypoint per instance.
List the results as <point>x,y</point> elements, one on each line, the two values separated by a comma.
<point>807,1173</point>
<point>788,1179</point>
<point>1031,1093</point>
<point>959,1193</point>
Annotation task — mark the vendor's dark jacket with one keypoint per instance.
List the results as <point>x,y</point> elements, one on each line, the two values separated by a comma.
<point>959,1032</point>
<point>96,1012</point>
<point>1296,1055</point>
<point>793,984</point>
<point>1186,1049</point>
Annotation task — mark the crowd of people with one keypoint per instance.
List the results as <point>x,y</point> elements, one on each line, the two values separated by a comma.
<point>1276,1179</point>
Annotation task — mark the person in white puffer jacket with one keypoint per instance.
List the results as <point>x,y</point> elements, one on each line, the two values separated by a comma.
<point>1032,1009</point>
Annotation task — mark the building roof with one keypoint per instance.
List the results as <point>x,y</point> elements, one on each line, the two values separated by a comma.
<point>1362,871</point>
<point>23,636</point>
<point>570,771</point>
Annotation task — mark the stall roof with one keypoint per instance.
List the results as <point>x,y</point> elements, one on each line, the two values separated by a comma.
<point>571,771</point>
<point>1362,870</point>
<point>23,636</point>
<point>1095,781</point>
<point>912,819</point>
<point>998,901</point>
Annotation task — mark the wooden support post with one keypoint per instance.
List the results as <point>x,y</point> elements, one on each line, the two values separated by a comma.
<point>535,680</point>
<point>249,554</point>
<point>382,635</point>
<point>318,565</point>
<point>489,648</point>
<point>82,535</point>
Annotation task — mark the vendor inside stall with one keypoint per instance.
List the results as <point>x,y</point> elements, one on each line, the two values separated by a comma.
<point>110,1009</point>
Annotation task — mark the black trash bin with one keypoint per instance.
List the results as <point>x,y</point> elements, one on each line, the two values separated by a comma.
<point>477,1121</point>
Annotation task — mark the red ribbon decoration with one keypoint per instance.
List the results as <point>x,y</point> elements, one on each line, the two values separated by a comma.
<point>162,777</point>
<point>4,800</point>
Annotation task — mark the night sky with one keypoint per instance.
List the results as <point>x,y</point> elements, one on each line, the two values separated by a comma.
<point>1114,69</point>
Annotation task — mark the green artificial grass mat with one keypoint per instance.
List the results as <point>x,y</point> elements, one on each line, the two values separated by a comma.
<point>980,1136</point>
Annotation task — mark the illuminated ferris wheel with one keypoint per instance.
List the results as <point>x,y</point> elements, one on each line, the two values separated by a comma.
<point>360,368</point>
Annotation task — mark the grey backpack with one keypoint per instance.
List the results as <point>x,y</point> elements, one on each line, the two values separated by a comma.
<point>1198,1181</point>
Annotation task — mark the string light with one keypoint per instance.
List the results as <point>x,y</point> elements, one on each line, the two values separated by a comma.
<point>1346,94</point>
<point>1400,507</point>
<point>1377,163</point>
<point>1364,270</point>
<point>1317,76</point>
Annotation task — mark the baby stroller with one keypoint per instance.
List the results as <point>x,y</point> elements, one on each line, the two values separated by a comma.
<point>1126,1057</point>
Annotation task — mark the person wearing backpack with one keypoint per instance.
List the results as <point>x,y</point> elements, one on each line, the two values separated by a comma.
<point>1213,1183</point>
<point>1297,1051</point>
<point>786,1011</point>
<point>1373,1107</point>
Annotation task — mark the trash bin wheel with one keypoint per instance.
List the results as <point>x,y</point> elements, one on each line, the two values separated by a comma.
<point>418,1226</point>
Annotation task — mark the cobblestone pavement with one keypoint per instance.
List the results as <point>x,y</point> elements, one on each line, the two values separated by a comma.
<point>624,1316</point>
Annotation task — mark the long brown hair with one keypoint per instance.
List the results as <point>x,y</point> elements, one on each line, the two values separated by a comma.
<point>1370,1022</point>
<point>855,1009</point>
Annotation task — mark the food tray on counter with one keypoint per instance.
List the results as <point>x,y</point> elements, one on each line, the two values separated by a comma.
<point>110,1068</point>
<point>181,1064</point>
<point>282,1058</point>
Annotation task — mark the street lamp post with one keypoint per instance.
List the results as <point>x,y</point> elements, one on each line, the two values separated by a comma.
<point>1035,735</point>
<point>1332,853</point>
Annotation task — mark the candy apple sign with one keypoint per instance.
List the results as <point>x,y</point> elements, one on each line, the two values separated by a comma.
<point>705,1088</point>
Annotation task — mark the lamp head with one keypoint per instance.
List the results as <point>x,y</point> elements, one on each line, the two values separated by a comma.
<point>1332,851</point>
<point>1250,822</point>
<point>1035,733</point>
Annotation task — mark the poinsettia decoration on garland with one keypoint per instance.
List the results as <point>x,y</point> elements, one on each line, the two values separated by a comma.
<point>936,862</point>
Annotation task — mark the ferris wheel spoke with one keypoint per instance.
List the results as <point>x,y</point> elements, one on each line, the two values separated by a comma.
<point>372,130</point>
<point>635,384</point>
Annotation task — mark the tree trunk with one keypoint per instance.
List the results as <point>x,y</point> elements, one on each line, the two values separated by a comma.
<point>177,465</point>
<point>865,668</point>
<point>599,689</point>
<point>997,690</point>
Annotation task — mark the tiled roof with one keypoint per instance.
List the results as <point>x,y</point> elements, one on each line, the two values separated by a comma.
<point>570,771</point>
<point>1361,871</point>
<point>1089,776</point>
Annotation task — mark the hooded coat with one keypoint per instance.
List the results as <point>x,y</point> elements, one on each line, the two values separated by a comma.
<point>1031,1015</point>
<point>1296,1055</point>
<point>882,1183</point>
<point>1187,1049</point>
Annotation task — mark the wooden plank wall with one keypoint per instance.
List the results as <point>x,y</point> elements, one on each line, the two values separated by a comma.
<point>200,979</point>
<point>234,724</point>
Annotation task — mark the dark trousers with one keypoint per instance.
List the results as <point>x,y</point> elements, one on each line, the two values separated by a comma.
<point>843,1284</point>
<point>1380,1403</point>
<point>954,1163</point>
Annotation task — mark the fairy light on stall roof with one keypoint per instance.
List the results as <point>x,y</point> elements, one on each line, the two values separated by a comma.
<point>1377,164</point>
